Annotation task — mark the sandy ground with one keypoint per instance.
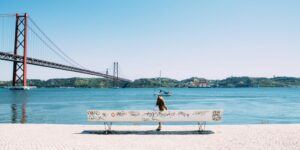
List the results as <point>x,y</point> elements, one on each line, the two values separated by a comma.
<point>73,137</point>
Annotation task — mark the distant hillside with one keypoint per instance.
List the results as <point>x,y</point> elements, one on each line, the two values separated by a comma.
<point>153,82</point>
<point>258,82</point>
<point>72,82</point>
<point>194,82</point>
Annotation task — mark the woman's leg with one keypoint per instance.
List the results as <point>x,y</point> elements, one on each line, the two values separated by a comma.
<point>159,126</point>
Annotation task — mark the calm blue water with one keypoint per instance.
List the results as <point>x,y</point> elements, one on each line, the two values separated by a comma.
<point>68,106</point>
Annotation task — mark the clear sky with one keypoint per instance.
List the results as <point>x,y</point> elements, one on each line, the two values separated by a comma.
<point>213,39</point>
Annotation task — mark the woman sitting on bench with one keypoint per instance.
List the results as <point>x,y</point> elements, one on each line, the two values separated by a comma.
<point>161,106</point>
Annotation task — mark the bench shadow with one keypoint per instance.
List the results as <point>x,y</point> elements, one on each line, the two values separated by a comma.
<point>147,132</point>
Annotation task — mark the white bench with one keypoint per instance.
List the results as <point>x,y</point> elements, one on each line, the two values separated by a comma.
<point>110,116</point>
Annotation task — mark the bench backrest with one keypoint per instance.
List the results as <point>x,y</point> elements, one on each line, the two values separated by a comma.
<point>154,116</point>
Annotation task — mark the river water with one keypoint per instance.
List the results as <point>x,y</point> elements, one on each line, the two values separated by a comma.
<point>69,106</point>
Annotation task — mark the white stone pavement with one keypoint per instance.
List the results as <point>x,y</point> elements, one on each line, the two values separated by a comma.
<point>76,137</point>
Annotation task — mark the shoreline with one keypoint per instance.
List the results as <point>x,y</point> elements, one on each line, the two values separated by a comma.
<point>287,87</point>
<point>74,136</point>
<point>191,82</point>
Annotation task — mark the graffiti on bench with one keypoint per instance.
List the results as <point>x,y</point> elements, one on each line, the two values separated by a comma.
<point>154,116</point>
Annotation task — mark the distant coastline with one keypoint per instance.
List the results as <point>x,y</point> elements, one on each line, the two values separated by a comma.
<point>193,82</point>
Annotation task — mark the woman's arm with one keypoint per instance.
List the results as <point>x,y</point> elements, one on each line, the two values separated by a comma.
<point>164,105</point>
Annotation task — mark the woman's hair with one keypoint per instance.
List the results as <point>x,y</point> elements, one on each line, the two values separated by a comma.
<point>160,97</point>
<point>159,100</point>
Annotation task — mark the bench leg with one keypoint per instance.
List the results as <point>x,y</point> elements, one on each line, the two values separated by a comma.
<point>201,126</point>
<point>107,126</point>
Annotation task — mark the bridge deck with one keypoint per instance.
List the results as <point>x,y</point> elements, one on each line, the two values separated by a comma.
<point>43,63</point>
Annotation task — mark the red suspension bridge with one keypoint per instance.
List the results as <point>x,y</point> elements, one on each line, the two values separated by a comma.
<point>23,42</point>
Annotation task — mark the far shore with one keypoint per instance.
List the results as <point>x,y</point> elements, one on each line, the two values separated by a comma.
<point>193,82</point>
<point>156,87</point>
<point>143,137</point>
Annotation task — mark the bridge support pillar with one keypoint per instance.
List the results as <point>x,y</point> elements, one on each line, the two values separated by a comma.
<point>20,48</point>
<point>115,74</point>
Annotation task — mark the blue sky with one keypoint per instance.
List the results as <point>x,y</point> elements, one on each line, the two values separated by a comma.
<point>212,39</point>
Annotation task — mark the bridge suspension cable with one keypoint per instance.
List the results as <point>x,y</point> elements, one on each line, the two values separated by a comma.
<point>16,35</point>
<point>6,32</point>
<point>56,49</point>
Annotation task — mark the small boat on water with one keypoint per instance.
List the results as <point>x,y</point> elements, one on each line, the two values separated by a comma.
<point>162,92</point>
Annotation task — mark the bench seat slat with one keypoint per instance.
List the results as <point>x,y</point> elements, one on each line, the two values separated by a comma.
<point>154,116</point>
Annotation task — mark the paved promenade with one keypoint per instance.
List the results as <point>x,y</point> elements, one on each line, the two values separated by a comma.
<point>83,137</point>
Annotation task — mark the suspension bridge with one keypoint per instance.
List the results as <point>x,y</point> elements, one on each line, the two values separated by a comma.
<point>23,42</point>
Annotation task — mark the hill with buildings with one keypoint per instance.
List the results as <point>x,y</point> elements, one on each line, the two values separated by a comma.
<point>194,82</point>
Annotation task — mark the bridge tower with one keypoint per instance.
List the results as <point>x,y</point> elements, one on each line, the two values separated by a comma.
<point>115,74</point>
<point>116,70</point>
<point>20,48</point>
